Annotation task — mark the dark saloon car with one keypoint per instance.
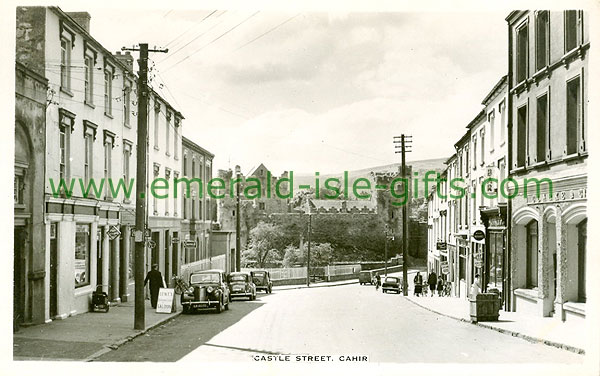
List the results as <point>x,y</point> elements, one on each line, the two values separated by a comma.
<point>241,285</point>
<point>392,284</point>
<point>208,289</point>
<point>262,280</point>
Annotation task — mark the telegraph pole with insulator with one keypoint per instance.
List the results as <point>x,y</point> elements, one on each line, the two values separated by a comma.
<point>405,147</point>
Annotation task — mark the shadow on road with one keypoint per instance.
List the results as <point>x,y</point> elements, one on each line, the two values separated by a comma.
<point>180,336</point>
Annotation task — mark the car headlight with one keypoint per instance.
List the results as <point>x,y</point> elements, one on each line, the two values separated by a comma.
<point>209,289</point>
<point>190,290</point>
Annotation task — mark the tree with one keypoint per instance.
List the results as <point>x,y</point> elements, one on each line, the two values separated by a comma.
<point>263,247</point>
<point>292,257</point>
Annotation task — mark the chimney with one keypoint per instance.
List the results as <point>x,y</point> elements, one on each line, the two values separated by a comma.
<point>82,18</point>
<point>125,58</point>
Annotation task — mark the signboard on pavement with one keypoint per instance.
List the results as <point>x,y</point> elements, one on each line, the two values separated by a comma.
<point>166,298</point>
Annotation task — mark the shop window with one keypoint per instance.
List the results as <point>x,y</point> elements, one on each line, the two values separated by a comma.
<point>532,255</point>
<point>82,255</point>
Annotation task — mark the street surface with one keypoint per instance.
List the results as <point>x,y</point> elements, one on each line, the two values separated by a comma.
<point>350,320</point>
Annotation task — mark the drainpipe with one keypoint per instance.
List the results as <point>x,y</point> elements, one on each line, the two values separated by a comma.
<point>507,244</point>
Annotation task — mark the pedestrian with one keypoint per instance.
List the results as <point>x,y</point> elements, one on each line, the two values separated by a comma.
<point>418,284</point>
<point>476,286</point>
<point>156,283</point>
<point>432,282</point>
<point>377,281</point>
<point>440,286</point>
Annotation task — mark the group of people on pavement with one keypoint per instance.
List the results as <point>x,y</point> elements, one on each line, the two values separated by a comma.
<point>434,282</point>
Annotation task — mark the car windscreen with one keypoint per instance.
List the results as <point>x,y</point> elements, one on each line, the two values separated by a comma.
<point>205,278</point>
<point>237,278</point>
<point>259,274</point>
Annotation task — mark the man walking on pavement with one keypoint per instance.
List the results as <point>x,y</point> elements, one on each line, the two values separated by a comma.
<point>156,282</point>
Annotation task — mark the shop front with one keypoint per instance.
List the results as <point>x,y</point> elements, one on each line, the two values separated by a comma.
<point>494,271</point>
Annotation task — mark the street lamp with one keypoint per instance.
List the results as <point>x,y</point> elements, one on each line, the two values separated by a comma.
<point>238,242</point>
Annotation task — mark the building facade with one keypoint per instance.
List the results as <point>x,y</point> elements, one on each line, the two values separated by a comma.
<point>89,140</point>
<point>198,210</point>
<point>548,130</point>
<point>165,129</point>
<point>29,287</point>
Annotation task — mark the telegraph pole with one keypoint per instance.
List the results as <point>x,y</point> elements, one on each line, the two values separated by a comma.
<point>404,139</point>
<point>308,252</point>
<point>140,200</point>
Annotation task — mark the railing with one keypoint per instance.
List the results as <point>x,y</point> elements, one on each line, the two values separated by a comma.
<point>300,272</point>
<point>218,262</point>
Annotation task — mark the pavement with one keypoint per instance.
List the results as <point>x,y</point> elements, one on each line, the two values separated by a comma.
<point>550,331</point>
<point>88,336</point>
<point>85,336</point>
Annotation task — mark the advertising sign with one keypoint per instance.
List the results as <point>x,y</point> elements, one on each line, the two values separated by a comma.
<point>166,300</point>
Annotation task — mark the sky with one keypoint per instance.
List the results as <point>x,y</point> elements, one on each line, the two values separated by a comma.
<point>315,91</point>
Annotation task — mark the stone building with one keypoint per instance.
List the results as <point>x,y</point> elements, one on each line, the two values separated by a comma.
<point>548,139</point>
<point>89,138</point>
<point>30,277</point>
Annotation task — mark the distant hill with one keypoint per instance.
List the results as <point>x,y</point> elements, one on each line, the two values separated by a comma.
<point>417,166</point>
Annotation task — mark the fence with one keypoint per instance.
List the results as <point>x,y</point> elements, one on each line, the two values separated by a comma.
<point>218,262</point>
<point>300,272</point>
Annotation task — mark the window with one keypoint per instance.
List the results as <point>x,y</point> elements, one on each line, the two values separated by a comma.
<point>542,127</point>
<point>573,115</point>
<point>502,111</point>
<point>168,134</point>
<point>167,177</point>
<point>66,123</point>
<point>127,104</point>
<point>491,117</point>
<point>156,169</point>
<point>175,176</point>
<point>19,184</point>
<point>522,53</point>
<point>572,27</point>
<point>261,206</point>
<point>521,143</point>
<point>156,123</point>
<point>532,255</point>
<point>176,138</point>
<point>65,64</point>
<point>193,198</point>
<point>82,255</point>
<point>109,141</point>
<point>482,136</point>
<point>474,152</point>
<point>542,32</point>
<point>89,152</point>
<point>89,79</point>
<point>127,146</point>
<point>108,78</point>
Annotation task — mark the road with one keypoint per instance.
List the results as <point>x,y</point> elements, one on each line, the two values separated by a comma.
<point>350,320</point>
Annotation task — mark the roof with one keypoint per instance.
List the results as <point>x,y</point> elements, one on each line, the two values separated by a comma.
<point>495,90</point>
<point>465,137</point>
<point>192,145</point>
<point>253,170</point>
<point>478,118</point>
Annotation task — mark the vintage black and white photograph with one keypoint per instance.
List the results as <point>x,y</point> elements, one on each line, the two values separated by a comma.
<point>274,186</point>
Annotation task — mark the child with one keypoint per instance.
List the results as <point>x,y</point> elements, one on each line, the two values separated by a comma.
<point>440,286</point>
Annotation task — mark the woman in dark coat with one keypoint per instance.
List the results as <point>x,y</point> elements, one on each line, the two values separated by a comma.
<point>418,284</point>
<point>432,281</point>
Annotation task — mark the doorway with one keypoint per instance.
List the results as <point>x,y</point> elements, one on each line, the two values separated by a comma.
<point>53,271</point>
<point>18,278</point>
<point>99,263</point>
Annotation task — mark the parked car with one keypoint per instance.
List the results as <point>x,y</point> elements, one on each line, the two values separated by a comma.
<point>262,280</point>
<point>241,285</point>
<point>392,284</point>
<point>208,289</point>
<point>366,276</point>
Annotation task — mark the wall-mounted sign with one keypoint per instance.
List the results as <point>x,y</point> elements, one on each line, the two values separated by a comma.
<point>190,243</point>
<point>479,235</point>
<point>113,232</point>
<point>174,240</point>
<point>442,246</point>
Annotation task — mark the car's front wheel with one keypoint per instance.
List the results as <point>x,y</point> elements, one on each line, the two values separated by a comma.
<point>220,306</point>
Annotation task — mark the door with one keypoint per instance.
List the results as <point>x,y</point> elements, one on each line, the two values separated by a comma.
<point>18,278</point>
<point>53,271</point>
<point>99,252</point>
<point>174,255</point>
<point>167,258</point>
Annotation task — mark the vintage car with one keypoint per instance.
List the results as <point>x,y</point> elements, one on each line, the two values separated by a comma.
<point>262,280</point>
<point>208,289</point>
<point>392,284</point>
<point>366,276</point>
<point>241,285</point>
